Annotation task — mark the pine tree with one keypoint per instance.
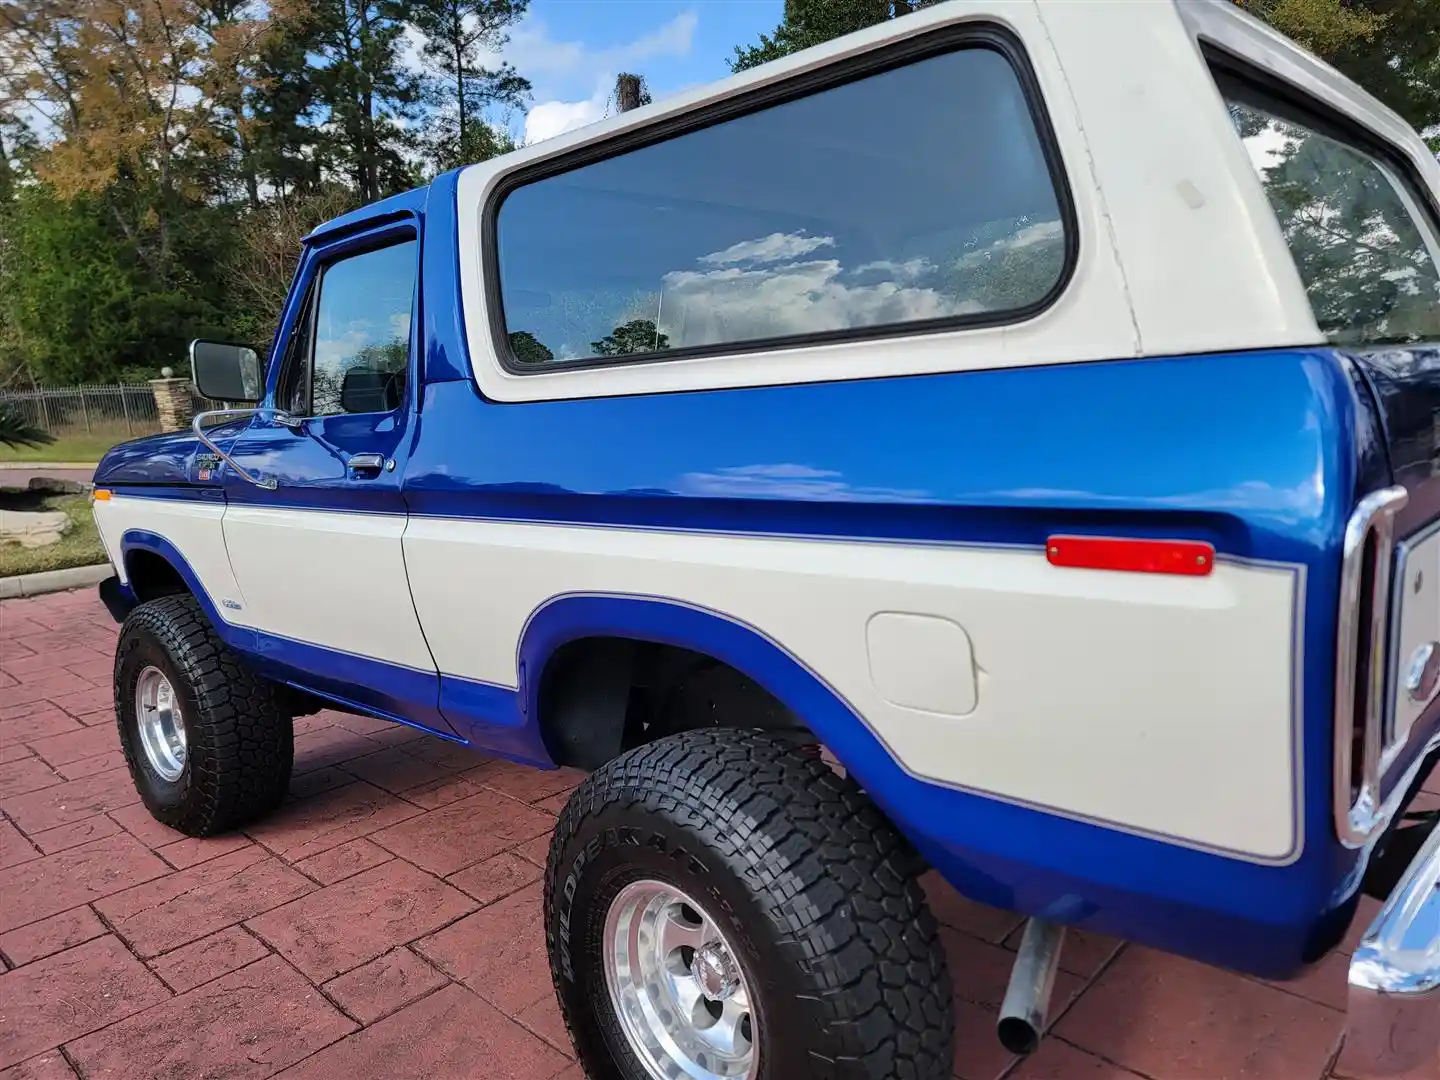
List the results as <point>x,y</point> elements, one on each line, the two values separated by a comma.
<point>458,35</point>
<point>814,22</point>
<point>364,95</point>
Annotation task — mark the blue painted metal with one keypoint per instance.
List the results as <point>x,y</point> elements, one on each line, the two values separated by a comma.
<point>395,207</point>
<point>1150,443</point>
<point>1150,447</point>
<point>1220,910</point>
<point>1404,385</point>
<point>310,464</point>
<point>492,719</point>
<point>363,684</point>
<point>189,493</point>
<point>1141,447</point>
<point>166,459</point>
<point>444,354</point>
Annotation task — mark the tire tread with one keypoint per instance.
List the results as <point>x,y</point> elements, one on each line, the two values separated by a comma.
<point>839,884</point>
<point>241,746</point>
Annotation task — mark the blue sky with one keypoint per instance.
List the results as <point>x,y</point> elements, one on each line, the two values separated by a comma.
<point>571,50</point>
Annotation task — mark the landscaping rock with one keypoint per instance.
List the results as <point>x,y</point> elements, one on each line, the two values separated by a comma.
<point>55,485</point>
<point>33,528</point>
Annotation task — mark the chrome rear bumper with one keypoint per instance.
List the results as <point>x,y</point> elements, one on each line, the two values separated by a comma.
<point>1393,1027</point>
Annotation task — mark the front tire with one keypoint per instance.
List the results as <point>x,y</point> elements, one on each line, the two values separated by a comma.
<point>208,743</point>
<point>720,904</point>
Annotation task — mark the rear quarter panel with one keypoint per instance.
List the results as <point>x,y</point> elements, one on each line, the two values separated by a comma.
<point>1152,755</point>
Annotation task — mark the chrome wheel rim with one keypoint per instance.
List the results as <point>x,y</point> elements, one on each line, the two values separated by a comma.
<point>677,986</point>
<point>162,731</point>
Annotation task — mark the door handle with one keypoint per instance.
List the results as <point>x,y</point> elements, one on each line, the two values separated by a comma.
<point>366,463</point>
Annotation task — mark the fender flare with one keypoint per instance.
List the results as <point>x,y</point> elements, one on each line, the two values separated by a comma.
<point>155,544</point>
<point>666,621</point>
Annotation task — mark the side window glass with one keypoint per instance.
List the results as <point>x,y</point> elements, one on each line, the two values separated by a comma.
<point>1365,253</point>
<point>360,357</point>
<point>843,211</point>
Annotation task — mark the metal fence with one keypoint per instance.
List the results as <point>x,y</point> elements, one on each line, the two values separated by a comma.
<point>122,410</point>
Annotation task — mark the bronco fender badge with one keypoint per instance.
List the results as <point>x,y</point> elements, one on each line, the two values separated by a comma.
<point>1423,672</point>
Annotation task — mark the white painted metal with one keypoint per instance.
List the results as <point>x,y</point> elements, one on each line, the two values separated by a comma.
<point>922,663</point>
<point>1188,686</point>
<point>1179,250</point>
<point>331,579</point>
<point>194,528</point>
<point>1091,321</point>
<point>1157,704</point>
<point>1205,262</point>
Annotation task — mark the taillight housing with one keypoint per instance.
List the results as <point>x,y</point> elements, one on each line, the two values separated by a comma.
<point>1362,620</point>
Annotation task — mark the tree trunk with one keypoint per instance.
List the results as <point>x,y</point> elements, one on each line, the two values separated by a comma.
<point>247,167</point>
<point>460,88</point>
<point>6,185</point>
<point>627,91</point>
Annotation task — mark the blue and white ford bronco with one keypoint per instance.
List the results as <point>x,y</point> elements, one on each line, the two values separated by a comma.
<point>1004,441</point>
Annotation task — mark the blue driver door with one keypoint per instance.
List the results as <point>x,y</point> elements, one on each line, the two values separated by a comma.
<point>318,557</point>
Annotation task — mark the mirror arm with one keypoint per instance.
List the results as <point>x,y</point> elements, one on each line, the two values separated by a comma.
<point>266,483</point>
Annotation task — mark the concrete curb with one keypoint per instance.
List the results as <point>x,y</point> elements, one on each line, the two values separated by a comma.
<point>49,581</point>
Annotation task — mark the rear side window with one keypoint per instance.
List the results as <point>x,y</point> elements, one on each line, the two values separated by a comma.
<point>1360,239</point>
<point>917,195</point>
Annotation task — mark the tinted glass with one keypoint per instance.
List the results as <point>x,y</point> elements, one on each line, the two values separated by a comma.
<point>362,332</point>
<point>914,194</point>
<point>1367,264</point>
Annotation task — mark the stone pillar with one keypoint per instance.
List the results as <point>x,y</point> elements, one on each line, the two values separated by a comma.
<point>174,403</point>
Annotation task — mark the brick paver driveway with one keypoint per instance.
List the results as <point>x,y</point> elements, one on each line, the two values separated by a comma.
<point>385,923</point>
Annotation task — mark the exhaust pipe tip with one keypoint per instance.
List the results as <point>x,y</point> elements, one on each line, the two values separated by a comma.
<point>1027,999</point>
<point>1018,1035</point>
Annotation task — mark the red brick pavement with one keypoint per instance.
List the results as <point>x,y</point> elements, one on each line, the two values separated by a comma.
<point>385,922</point>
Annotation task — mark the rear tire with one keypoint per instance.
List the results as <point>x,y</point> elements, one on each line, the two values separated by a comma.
<point>208,743</point>
<point>806,897</point>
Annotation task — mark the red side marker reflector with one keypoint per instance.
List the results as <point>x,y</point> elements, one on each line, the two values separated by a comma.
<point>1190,557</point>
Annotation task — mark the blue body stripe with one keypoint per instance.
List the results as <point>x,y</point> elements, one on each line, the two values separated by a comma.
<point>1252,451</point>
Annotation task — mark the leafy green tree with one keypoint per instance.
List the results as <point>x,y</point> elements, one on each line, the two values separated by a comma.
<point>87,307</point>
<point>363,94</point>
<point>260,261</point>
<point>1364,264</point>
<point>528,349</point>
<point>635,336</point>
<point>1004,268</point>
<point>234,40</point>
<point>457,34</point>
<point>1390,47</point>
<point>289,152</point>
<point>814,22</point>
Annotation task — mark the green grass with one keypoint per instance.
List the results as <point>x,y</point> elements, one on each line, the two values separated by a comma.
<point>79,547</point>
<point>79,446</point>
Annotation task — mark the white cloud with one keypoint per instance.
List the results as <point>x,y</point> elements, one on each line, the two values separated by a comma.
<point>732,303</point>
<point>544,60</point>
<point>773,248</point>
<point>909,270</point>
<point>572,81</point>
<point>551,118</point>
